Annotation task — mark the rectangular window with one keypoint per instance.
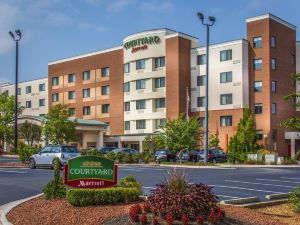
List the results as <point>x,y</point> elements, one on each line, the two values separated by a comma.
<point>257,42</point>
<point>105,90</point>
<point>201,80</point>
<point>140,104</point>
<point>86,75</point>
<point>71,111</point>
<point>140,64</point>
<point>160,82</point>
<point>42,87</point>
<point>274,108</point>
<point>160,103</point>
<point>28,104</point>
<point>200,101</point>
<point>71,95</point>
<point>258,108</point>
<point>273,41</point>
<point>105,108</point>
<point>273,86</point>
<point>226,99</point>
<point>226,77</point>
<point>126,68</point>
<point>159,62</point>
<point>126,106</point>
<point>159,123</point>
<point>127,125</point>
<point>257,86</point>
<point>42,102</point>
<point>86,110</point>
<point>105,72</point>
<point>55,81</point>
<point>140,84</point>
<point>71,78</point>
<point>55,97</point>
<point>259,134</point>
<point>201,59</point>
<point>86,93</point>
<point>19,91</point>
<point>127,87</point>
<point>28,89</point>
<point>201,121</point>
<point>225,121</point>
<point>226,55</point>
<point>273,64</point>
<point>140,124</point>
<point>274,134</point>
<point>257,64</point>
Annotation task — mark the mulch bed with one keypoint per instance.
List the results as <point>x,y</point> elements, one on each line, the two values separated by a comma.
<point>13,165</point>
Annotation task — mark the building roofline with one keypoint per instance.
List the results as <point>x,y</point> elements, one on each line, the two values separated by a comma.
<point>9,83</point>
<point>225,43</point>
<point>271,16</point>
<point>297,42</point>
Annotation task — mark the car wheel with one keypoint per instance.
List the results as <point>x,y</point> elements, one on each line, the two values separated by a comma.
<point>214,161</point>
<point>31,163</point>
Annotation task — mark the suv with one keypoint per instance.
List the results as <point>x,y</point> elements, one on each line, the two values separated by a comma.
<point>47,155</point>
<point>214,155</point>
<point>164,155</point>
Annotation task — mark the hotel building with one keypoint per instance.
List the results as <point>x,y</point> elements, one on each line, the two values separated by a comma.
<point>136,86</point>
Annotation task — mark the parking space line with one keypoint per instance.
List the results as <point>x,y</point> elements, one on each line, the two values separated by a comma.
<point>226,196</point>
<point>127,169</point>
<point>290,178</point>
<point>285,181</point>
<point>248,189</point>
<point>11,171</point>
<point>149,187</point>
<point>245,182</point>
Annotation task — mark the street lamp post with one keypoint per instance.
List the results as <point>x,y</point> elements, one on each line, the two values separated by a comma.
<point>211,22</point>
<point>16,37</point>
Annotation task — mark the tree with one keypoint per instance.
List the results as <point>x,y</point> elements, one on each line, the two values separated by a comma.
<point>57,126</point>
<point>153,142</point>
<point>30,132</point>
<point>214,141</point>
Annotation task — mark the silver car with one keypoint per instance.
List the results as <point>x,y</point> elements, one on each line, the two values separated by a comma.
<point>47,155</point>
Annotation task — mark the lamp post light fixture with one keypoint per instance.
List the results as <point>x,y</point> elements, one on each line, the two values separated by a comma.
<point>16,37</point>
<point>209,24</point>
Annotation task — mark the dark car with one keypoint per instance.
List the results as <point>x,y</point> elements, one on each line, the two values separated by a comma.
<point>189,155</point>
<point>214,156</point>
<point>129,151</point>
<point>164,155</point>
<point>106,149</point>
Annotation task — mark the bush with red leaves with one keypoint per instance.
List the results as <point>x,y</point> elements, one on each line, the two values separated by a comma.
<point>169,219</point>
<point>154,221</point>
<point>134,212</point>
<point>200,220</point>
<point>147,207</point>
<point>185,219</point>
<point>144,220</point>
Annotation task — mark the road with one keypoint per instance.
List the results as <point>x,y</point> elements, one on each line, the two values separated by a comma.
<point>228,183</point>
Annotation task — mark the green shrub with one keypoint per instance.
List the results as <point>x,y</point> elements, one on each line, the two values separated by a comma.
<point>111,156</point>
<point>25,151</point>
<point>94,152</point>
<point>288,161</point>
<point>137,158</point>
<point>130,182</point>
<point>147,157</point>
<point>126,158</point>
<point>294,200</point>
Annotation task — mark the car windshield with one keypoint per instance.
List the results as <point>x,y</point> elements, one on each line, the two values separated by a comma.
<point>161,152</point>
<point>69,149</point>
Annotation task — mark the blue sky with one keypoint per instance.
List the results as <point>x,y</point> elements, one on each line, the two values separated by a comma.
<point>55,29</point>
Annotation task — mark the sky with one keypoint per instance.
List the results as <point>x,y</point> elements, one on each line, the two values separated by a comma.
<point>56,29</point>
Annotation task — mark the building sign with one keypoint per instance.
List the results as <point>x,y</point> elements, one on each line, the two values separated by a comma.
<point>141,43</point>
<point>90,172</point>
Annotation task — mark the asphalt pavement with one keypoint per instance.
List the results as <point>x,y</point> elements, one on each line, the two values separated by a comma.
<point>227,183</point>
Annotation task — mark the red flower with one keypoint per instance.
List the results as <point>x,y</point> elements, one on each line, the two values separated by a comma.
<point>200,219</point>
<point>146,207</point>
<point>154,221</point>
<point>169,219</point>
<point>144,219</point>
<point>185,219</point>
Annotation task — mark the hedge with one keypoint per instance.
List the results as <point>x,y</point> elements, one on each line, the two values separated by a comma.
<point>114,195</point>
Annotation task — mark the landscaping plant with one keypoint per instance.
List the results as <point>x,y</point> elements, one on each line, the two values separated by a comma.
<point>169,218</point>
<point>144,220</point>
<point>25,151</point>
<point>185,219</point>
<point>294,200</point>
<point>200,220</point>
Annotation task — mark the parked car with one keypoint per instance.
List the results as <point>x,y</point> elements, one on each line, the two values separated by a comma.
<point>189,155</point>
<point>129,151</point>
<point>47,155</point>
<point>214,156</point>
<point>164,155</point>
<point>106,149</point>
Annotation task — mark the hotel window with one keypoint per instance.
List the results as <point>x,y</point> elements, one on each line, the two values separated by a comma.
<point>86,75</point>
<point>159,62</point>
<point>28,89</point>
<point>201,80</point>
<point>274,134</point>
<point>140,104</point>
<point>19,91</point>
<point>72,111</point>
<point>273,86</point>
<point>226,77</point>
<point>225,121</point>
<point>28,104</point>
<point>42,87</point>
<point>126,68</point>
<point>160,82</point>
<point>257,64</point>
<point>273,64</point>
<point>273,41</point>
<point>259,134</point>
<point>201,59</point>
<point>159,123</point>
<point>274,108</point>
<point>201,121</point>
<point>140,124</point>
<point>105,108</point>
<point>226,55</point>
<point>127,125</point>
<point>105,72</point>
<point>126,106</point>
<point>140,84</point>
<point>160,103</point>
<point>140,64</point>
<point>105,90</point>
<point>55,97</point>
<point>200,101</point>
<point>55,81</point>
<point>226,99</point>
<point>127,87</point>
<point>257,86</point>
<point>42,102</point>
<point>86,110</point>
<point>71,78</point>
<point>257,42</point>
<point>86,93</point>
<point>71,95</point>
<point>258,108</point>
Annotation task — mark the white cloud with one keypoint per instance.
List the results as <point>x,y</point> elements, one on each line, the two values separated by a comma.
<point>157,6</point>
<point>57,19</point>
<point>119,5</point>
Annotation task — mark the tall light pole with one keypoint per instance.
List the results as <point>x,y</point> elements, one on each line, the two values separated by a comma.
<point>211,22</point>
<point>16,37</point>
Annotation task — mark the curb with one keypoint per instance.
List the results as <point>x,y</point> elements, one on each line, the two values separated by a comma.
<point>277,196</point>
<point>9,156</point>
<point>240,201</point>
<point>263,204</point>
<point>4,209</point>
